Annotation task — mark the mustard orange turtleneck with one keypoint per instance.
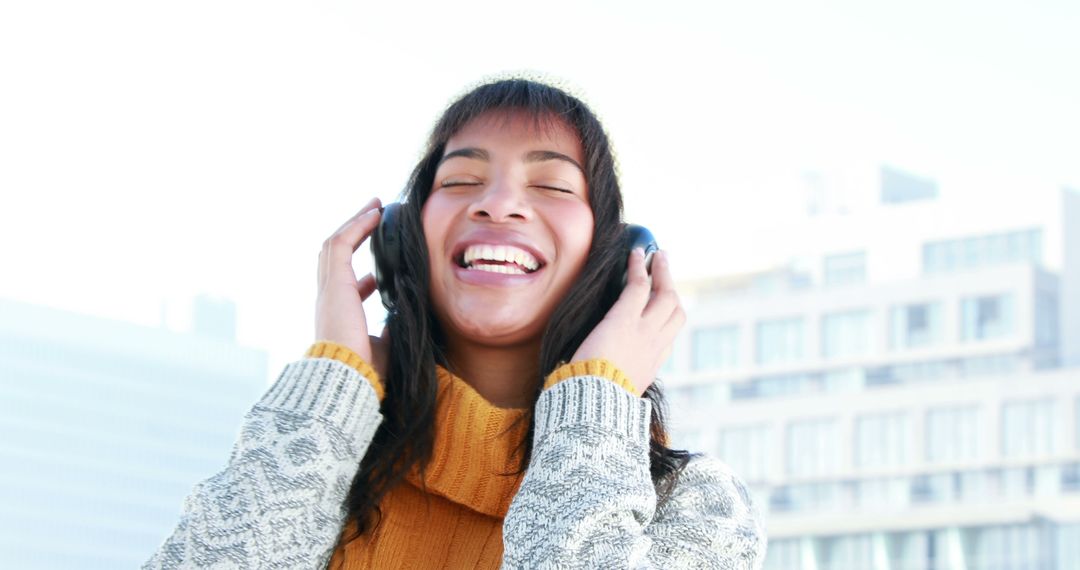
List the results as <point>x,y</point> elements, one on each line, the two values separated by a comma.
<point>453,519</point>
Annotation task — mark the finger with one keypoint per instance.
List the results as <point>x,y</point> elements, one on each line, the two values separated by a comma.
<point>671,327</point>
<point>663,297</point>
<point>324,268</point>
<point>636,293</point>
<point>366,286</point>
<point>373,204</point>
<point>341,246</point>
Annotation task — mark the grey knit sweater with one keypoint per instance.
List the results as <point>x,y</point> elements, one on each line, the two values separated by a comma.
<point>586,501</point>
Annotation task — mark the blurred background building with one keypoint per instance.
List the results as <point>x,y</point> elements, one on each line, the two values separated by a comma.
<point>105,427</point>
<point>905,393</point>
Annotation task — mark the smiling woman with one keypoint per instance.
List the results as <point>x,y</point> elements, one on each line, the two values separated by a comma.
<point>508,415</point>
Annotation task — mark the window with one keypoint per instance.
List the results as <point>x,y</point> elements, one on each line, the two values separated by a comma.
<point>989,365</point>
<point>784,554</point>
<point>876,494</point>
<point>1024,545</point>
<point>780,341</point>
<point>845,269</point>
<point>747,450</point>
<point>1024,246</point>
<point>716,348</point>
<point>697,396</point>
<point>846,334</point>
<point>812,448</point>
<point>882,440</point>
<point>847,552</point>
<point>936,488</point>
<point>952,434</point>
<point>987,317</point>
<point>1027,428</point>
<point>1046,319</point>
<point>916,325</point>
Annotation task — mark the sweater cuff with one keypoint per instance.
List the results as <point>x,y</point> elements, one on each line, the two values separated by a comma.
<point>342,353</point>
<point>595,367</point>
<point>328,389</point>
<point>592,401</point>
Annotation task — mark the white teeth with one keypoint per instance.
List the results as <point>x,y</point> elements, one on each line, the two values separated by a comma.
<point>501,253</point>
<point>507,269</point>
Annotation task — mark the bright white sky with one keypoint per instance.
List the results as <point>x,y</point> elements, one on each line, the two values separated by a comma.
<point>150,151</point>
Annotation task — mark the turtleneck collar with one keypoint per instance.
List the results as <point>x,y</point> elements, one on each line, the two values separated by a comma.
<point>477,449</point>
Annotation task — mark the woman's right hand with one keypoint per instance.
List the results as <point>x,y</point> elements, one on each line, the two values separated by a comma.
<point>339,309</point>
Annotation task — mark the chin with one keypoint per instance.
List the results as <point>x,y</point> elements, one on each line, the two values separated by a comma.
<point>502,330</point>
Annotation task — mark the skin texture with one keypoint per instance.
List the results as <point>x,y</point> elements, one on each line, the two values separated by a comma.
<point>505,192</point>
<point>504,179</point>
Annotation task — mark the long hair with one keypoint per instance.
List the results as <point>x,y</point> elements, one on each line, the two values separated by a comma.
<point>405,437</point>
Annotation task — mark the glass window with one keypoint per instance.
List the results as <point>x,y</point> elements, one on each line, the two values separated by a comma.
<point>716,348</point>
<point>936,488</point>
<point>989,365</point>
<point>846,334</point>
<point>1027,428</point>
<point>882,440</point>
<point>846,552</point>
<point>987,317</point>
<point>747,450</point>
<point>780,341</point>
<point>1011,546</point>
<point>889,493</point>
<point>953,434</point>
<point>697,396</point>
<point>1046,319</point>
<point>916,325</point>
<point>845,269</point>
<point>909,550</point>
<point>784,554</point>
<point>1023,246</point>
<point>812,448</point>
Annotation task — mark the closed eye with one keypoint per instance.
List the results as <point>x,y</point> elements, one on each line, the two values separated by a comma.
<point>450,183</point>
<point>556,188</point>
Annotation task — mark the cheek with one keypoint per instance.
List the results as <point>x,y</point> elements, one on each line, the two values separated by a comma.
<point>435,218</point>
<point>575,228</point>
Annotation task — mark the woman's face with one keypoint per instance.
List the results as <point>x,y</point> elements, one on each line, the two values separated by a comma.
<point>508,227</point>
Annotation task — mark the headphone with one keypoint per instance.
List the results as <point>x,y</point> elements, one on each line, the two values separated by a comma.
<point>386,249</point>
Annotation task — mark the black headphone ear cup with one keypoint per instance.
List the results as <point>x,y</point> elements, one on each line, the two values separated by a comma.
<point>386,249</point>
<point>635,236</point>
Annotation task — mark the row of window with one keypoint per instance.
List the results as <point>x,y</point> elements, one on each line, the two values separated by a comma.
<point>851,333</point>
<point>979,486</point>
<point>1024,246</point>
<point>859,378</point>
<point>951,434</point>
<point>1034,545</point>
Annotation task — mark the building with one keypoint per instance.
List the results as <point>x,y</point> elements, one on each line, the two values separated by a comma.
<point>905,393</point>
<point>105,427</point>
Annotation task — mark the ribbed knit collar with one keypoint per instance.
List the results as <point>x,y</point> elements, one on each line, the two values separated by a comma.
<point>476,443</point>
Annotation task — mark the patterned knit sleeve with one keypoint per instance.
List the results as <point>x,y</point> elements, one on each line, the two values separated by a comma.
<point>279,502</point>
<point>588,500</point>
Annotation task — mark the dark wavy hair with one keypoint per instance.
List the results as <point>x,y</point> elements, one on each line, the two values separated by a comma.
<point>405,437</point>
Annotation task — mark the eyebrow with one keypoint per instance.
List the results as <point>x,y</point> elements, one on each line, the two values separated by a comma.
<point>532,156</point>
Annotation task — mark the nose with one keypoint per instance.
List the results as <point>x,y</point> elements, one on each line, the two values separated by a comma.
<point>501,201</point>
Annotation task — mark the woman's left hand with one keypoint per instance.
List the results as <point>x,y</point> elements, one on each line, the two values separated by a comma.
<point>637,332</point>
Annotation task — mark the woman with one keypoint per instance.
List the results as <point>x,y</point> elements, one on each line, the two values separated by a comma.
<point>510,417</point>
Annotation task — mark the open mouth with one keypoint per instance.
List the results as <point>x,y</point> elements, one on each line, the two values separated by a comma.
<point>506,259</point>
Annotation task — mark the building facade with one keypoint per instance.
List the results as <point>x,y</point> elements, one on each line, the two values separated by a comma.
<point>105,427</point>
<point>905,394</point>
